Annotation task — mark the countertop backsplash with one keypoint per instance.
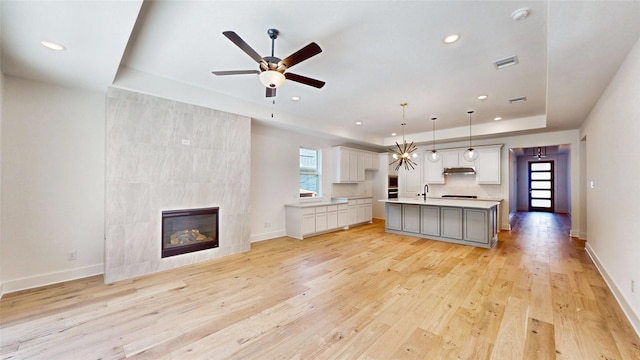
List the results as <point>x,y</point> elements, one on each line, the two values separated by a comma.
<point>351,190</point>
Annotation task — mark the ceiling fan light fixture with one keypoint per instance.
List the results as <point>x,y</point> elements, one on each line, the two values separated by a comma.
<point>271,78</point>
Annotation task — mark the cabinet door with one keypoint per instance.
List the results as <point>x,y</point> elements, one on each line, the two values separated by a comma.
<point>451,222</point>
<point>411,218</point>
<point>450,159</point>
<point>321,222</point>
<point>360,214</point>
<point>368,161</point>
<point>353,166</point>
<point>433,170</point>
<point>360,174</point>
<point>368,212</point>
<point>488,166</point>
<point>476,227</point>
<point>308,224</point>
<point>353,214</point>
<point>343,218</point>
<point>430,220</point>
<point>332,220</point>
<point>393,216</point>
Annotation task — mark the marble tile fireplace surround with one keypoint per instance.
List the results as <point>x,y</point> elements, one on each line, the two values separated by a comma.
<point>165,155</point>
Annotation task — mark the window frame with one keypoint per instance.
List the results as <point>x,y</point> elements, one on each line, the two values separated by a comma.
<point>307,171</point>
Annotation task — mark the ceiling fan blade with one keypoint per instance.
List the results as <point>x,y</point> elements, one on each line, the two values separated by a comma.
<point>304,80</point>
<point>302,54</point>
<point>235,72</point>
<point>271,92</point>
<point>242,45</point>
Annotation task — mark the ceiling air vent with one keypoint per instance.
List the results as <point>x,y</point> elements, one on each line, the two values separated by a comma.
<point>518,100</point>
<point>508,61</point>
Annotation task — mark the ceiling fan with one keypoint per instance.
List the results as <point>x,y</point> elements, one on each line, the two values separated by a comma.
<point>272,69</point>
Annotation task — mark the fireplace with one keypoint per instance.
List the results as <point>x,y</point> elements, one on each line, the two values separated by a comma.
<point>189,230</point>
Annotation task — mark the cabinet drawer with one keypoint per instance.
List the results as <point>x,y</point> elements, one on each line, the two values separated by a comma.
<point>363,201</point>
<point>332,208</point>
<point>343,207</point>
<point>308,211</point>
<point>321,209</point>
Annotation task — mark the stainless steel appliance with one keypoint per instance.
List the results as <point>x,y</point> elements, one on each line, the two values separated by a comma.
<point>392,187</point>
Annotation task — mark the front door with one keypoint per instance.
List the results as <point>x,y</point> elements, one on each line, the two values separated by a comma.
<point>541,186</point>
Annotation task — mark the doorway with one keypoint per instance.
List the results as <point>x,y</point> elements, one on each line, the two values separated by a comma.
<point>541,189</point>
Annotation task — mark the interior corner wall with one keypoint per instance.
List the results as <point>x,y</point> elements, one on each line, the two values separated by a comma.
<point>1,98</point>
<point>52,183</point>
<point>167,155</point>
<point>612,129</point>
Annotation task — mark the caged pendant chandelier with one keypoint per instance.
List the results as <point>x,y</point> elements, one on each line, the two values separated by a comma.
<point>470,154</point>
<point>434,156</point>
<point>405,152</point>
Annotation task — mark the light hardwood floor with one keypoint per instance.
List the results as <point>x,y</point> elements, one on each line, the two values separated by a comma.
<point>357,294</point>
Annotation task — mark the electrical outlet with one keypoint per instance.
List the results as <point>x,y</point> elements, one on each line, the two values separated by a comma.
<point>72,255</point>
<point>267,225</point>
<point>632,286</point>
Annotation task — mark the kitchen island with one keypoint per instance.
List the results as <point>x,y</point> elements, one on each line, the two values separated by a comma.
<point>460,221</point>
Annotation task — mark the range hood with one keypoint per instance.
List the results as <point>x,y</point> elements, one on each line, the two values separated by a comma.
<point>459,170</point>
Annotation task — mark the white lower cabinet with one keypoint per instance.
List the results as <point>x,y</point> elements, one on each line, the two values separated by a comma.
<point>360,211</point>
<point>306,221</point>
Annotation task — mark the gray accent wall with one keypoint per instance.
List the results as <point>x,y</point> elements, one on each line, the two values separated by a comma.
<point>167,155</point>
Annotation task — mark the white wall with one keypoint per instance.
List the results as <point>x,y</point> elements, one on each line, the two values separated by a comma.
<point>612,131</point>
<point>52,183</point>
<point>1,116</point>
<point>274,177</point>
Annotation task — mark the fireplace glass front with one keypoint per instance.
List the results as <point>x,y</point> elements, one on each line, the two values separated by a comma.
<point>189,230</point>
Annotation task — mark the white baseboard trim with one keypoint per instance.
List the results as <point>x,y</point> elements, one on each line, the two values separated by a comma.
<point>578,234</point>
<point>51,278</point>
<point>266,236</point>
<point>626,308</point>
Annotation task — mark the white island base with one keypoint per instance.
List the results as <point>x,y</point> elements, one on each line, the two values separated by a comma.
<point>465,222</point>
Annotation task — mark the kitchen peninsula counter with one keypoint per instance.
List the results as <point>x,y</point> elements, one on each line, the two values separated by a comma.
<point>461,221</point>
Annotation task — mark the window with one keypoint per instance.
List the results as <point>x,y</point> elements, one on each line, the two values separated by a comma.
<point>309,173</point>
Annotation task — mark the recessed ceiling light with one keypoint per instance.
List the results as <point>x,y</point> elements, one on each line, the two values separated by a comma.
<point>393,134</point>
<point>449,39</point>
<point>482,97</point>
<point>497,118</point>
<point>358,122</point>
<point>52,45</point>
<point>295,98</point>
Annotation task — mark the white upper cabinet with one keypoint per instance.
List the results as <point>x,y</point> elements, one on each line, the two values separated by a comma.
<point>350,164</point>
<point>432,170</point>
<point>454,158</point>
<point>488,165</point>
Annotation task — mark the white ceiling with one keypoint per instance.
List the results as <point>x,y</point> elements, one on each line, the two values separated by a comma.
<point>376,54</point>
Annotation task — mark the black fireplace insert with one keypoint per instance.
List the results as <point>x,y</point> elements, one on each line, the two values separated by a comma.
<point>189,230</point>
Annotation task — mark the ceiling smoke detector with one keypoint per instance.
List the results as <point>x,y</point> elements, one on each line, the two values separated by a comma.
<point>508,61</point>
<point>520,14</point>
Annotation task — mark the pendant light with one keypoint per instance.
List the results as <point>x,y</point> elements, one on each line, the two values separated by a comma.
<point>405,152</point>
<point>470,154</point>
<point>434,156</point>
<point>539,154</point>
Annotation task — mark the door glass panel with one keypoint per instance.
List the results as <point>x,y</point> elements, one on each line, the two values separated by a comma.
<point>546,194</point>
<point>541,203</point>
<point>541,184</point>
<point>540,176</point>
<point>545,166</point>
